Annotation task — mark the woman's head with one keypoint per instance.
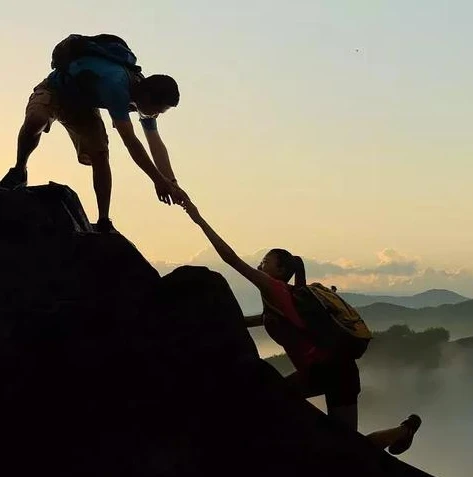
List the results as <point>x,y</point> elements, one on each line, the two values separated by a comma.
<point>282,265</point>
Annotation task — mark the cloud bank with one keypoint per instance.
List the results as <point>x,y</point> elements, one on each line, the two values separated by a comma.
<point>392,273</point>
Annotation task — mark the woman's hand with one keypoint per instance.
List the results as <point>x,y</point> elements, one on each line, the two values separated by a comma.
<point>191,210</point>
<point>178,195</point>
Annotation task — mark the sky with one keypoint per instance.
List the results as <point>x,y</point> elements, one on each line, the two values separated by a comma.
<point>339,130</point>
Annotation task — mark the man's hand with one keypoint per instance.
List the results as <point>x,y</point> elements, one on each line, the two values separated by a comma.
<point>170,193</point>
<point>164,190</point>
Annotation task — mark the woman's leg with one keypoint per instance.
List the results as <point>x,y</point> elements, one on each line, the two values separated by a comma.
<point>340,383</point>
<point>342,379</point>
<point>347,415</point>
<point>397,439</point>
<point>308,385</point>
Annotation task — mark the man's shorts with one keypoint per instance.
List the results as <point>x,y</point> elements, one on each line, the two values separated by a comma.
<point>338,380</point>
<point>84,125</point>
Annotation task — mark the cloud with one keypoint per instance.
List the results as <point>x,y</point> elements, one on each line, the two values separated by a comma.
<point>390,262</point>
<point>392,273</point>
<point>204,257</point>
<point>389,255</point>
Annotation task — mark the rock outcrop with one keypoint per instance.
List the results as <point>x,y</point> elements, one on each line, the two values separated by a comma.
<point>108,369</point>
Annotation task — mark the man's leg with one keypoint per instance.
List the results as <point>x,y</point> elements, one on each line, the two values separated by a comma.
<point>102,178</point>
<point>29,137</point>
<point>28,140</point>
<point>88,134</point>
<point>40,113</point>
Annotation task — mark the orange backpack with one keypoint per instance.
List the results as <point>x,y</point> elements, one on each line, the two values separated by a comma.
<point>331,321</point>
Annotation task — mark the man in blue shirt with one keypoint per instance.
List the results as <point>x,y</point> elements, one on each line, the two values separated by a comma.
<point>74,99</point>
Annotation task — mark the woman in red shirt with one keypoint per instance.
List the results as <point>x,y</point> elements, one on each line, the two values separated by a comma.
<point>318,371</point>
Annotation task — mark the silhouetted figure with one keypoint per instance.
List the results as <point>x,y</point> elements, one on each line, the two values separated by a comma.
<point>318,371</point>
<point>92,73</point>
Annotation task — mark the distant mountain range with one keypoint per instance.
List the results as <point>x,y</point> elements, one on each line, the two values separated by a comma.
<point>434,297</point>
<point>465,342</point>
<point>457,318</point>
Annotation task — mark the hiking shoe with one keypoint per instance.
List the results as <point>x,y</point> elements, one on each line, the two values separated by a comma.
<point>412,423</point>
<point>104,226</point>
<point>14,179</point>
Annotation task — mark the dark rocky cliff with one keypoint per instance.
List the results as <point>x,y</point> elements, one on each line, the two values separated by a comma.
<point>108,369</point>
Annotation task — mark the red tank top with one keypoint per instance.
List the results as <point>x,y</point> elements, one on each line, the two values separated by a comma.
<point>287,328</point>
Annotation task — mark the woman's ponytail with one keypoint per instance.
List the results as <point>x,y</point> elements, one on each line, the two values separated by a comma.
<point>299,271</point>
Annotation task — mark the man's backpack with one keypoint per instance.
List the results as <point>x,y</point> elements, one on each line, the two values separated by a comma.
<point>104,45</point>
<point>331,320</point>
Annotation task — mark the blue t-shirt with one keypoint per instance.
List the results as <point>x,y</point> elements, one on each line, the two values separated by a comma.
<point>108,87</point>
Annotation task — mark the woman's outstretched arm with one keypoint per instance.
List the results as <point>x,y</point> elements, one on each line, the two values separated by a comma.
<point>260,279</point>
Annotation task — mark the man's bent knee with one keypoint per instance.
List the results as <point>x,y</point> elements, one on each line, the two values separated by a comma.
<point>35,124</point>
<point>95,160</point>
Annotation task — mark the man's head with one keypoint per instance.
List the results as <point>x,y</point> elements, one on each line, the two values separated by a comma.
<point>155,94</point>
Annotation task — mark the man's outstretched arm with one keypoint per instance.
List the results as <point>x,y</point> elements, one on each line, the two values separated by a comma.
<point>141,158</point>
<point>160,156</point>
<point>159,153</point>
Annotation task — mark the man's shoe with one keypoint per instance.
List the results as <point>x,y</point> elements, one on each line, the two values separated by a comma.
<point>14,179</point>
<point>105,226</point>
<point>412,423</point>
